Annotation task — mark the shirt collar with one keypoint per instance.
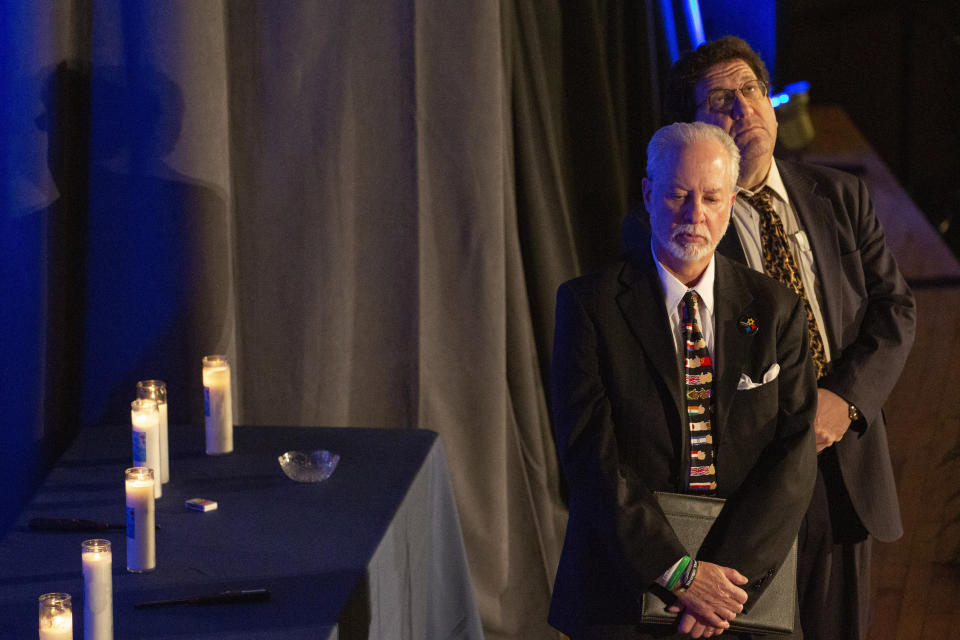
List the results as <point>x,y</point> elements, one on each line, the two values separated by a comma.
<point>674,290</point>
<point>773,181</point>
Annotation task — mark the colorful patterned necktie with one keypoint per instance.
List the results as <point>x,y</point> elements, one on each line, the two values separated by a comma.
<point>698,376</point>
<point>779,264</point>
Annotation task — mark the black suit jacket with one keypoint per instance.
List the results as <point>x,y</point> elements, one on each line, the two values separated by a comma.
<point>870,317</point>
<point>617,406</point>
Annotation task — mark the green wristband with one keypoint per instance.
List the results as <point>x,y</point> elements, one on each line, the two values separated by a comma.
<point>677,573</point>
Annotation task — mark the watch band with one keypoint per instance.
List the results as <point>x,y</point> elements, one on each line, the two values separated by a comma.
<point>852,412</point>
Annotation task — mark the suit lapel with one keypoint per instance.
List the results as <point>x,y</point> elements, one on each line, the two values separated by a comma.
<point>733,303</point>
<point>816,218</point>
<point>641,302</point>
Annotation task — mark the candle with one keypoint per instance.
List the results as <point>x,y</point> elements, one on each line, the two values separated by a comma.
<point>97,562</point>
<point>56,617</point>
<point>141,537</point>
<point>218,405</point>
<point>164,441</point>
<point>146,437</point>
<point>157,390</point>
<point>59,628</point>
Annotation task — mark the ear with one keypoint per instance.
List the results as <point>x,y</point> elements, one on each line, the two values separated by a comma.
<point>647,188</point>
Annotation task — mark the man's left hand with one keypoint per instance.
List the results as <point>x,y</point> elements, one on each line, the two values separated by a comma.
<point>714,598</point>
<point>833,418</point>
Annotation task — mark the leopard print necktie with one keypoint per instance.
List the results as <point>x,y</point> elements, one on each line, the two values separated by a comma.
<point>779,264</point>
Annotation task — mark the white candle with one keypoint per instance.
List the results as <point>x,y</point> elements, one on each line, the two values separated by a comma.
<point>146,437</point>
<point>141,520</point>
<point>218,405</point>
<point>60,628</point>
<point>97,561</point>
<point>56,617</point>
<point>164,443</point>
<point>157,390</point>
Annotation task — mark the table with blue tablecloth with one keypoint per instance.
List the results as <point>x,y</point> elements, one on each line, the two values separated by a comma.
<point>375,551</point>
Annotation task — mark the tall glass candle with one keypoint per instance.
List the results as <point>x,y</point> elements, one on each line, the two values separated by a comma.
<point>97,560</point>
<point>156,390</point>
<point>145,418</point>
<point>56,617</point>
<point>141,520</point>
<point>218,405</point>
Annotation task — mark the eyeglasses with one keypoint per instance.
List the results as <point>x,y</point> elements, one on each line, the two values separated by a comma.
<point>721,100</point>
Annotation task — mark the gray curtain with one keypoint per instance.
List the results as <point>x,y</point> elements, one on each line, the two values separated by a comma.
<point>368,160</point>
<point>367,206</point>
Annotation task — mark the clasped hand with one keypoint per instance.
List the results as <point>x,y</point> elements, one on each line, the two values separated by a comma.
<point>712,600</point>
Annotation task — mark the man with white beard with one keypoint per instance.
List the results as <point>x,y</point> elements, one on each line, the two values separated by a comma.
<point>677,370</point>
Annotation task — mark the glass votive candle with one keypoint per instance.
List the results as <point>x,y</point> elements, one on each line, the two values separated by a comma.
<point>56,617</point>
<point>141,520</point>
<point>218,405</point>
<point>97,560</point>
<point>156,390</point>
<point>145,418</point>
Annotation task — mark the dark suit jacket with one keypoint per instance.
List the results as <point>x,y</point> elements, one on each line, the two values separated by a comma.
<point>870,318</point>
<point>617,406</point>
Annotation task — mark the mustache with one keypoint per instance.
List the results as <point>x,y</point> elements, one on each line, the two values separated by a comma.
<point>699,230</point>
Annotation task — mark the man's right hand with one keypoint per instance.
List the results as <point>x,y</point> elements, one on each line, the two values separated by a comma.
<point>711,601</point>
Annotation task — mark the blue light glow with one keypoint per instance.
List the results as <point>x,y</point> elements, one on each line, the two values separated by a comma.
<point>792,89</point>
<point>801,86</point>
<point>670,29</point>
<point>779,98</point>
<point>694,22</point>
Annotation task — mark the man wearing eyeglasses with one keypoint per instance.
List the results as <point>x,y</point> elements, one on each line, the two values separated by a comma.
<point>815,229</point>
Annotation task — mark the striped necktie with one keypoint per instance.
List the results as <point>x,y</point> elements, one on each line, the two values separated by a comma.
<point>698,387</point>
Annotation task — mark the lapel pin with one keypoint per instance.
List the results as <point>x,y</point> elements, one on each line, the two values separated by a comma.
<point>748,325</point>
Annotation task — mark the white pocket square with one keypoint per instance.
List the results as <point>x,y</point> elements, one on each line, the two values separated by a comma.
<point>770,375</point>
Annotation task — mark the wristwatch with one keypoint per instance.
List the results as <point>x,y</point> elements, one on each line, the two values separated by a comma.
<point>852,412</point>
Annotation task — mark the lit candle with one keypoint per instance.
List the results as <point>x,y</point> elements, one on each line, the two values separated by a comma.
<point>157,390</point>
<point>56,617</point>
<point>141,520</point>
<point>59,628</point>
<point>97,589</point>
<point>218,405</point>
<point>146,437</point>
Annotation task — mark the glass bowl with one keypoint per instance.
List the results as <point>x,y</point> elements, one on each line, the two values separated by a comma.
<point>308,466</point>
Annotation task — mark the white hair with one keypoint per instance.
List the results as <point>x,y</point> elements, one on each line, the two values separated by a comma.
<point>671,138</point>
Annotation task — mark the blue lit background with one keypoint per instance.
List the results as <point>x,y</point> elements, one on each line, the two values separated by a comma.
<point>689,23</point>
<point>21,280</point>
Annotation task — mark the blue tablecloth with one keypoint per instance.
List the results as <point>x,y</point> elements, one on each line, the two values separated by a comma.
<point>376,551</point>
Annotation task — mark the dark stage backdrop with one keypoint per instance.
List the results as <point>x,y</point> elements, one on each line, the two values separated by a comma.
<point>367,206</point>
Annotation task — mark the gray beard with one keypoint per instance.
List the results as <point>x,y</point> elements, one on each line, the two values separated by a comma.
<point>691,252</point>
